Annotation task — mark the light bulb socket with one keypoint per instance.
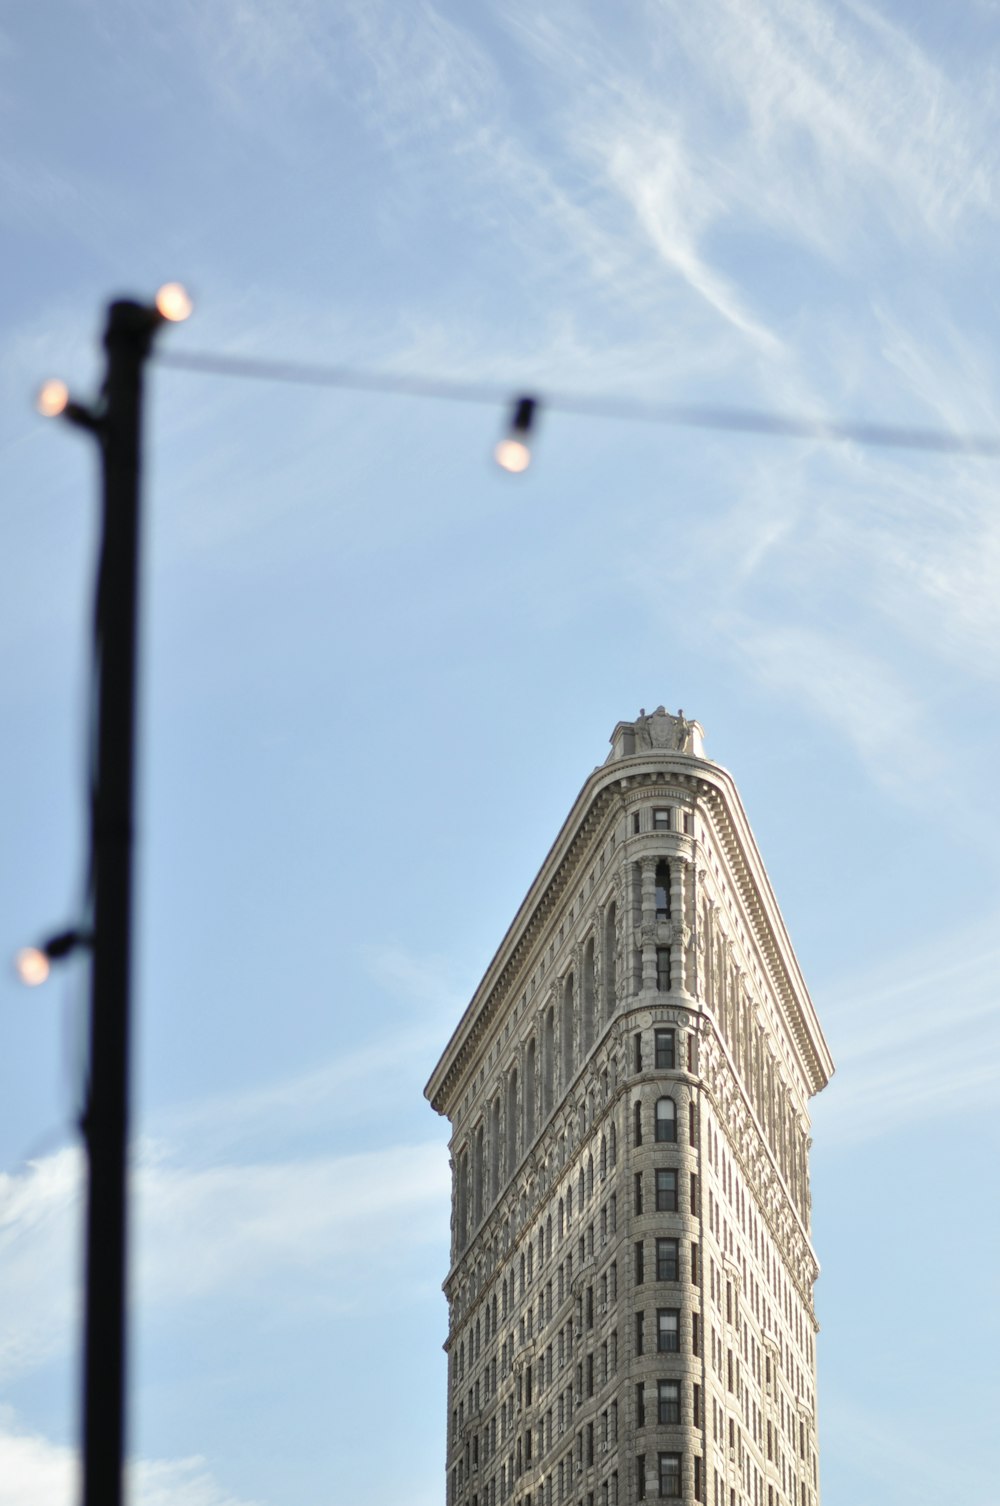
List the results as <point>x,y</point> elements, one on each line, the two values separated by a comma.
<point>523,418</point>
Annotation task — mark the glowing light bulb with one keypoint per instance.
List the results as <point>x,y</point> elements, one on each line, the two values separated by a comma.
<point>173,302</point>
<point>32,966</point>
<point>512,455</point>
<point>53,398</point>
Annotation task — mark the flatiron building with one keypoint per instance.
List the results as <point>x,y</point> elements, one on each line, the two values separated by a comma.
<point>631,1285</point>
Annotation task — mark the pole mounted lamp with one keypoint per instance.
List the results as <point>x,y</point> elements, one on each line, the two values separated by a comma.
<point>115,420</point>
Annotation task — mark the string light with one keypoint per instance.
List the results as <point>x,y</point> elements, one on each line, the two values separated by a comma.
<point>32,966</point>
<point>174,302</point>
<point>53,398</point>
<point>34,963</point>
<point>513,453</point>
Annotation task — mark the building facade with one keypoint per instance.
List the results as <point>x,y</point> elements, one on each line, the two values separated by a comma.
<point>631,1286</point>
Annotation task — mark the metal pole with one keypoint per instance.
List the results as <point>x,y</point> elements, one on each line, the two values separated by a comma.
<point>106,1116</point>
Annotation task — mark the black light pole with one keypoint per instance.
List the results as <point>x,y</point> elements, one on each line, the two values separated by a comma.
<point>127,341</point>
<point>117,424</point>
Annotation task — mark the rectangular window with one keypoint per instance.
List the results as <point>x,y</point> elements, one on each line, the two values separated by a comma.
<point>670,1477</point>
<point>666,1190</point>
<point>663,969</point>
<point>694,1194</point>
<point>661,819</point>
<point>638,1191</point>
<point>665,1053</point>
<point>637,1050</point>
<point>640,1262</point>
<point>640,1326</point>
<point>668,1321</point>
<point>665,1124</point>
<point>695,1275</point>
<point>640,1405</point>
<point>696,1404</point>
<point>640,1477</point>
<point>668,1401</point>
<point>635,823</point>
<point>667,1261</point>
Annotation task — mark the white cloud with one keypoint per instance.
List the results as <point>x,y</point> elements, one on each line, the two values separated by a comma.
<point>39,1212</point>
<point>34,1471</point>
<point>327,1229</point>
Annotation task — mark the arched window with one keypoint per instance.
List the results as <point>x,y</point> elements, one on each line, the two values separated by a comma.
<point>610,962</point>
<point>663,890</point>
<point>666,1119</point>
<point>637,1123</point>
<point>477,1177</point>
<point>462,1200</point>
<point>588,997</point>
<point>528,1093</point>
<point>511,1123</point>
<point>495,1149</point>
<point>548,1062</point>
<point>566,1033</point>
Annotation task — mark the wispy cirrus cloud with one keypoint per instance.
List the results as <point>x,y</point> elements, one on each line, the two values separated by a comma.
<point>901,1039</point>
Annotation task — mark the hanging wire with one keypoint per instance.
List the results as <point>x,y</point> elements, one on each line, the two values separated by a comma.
<point>598,405</point>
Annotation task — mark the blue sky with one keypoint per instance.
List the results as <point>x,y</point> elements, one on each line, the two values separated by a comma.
<point>376,671</point>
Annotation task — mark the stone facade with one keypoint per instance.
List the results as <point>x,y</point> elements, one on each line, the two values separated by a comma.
<point>630,1293</point>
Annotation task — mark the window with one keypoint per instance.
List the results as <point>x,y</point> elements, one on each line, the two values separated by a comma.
<point>667,1263</point>
<point>661,819</point>
<point>635,822</point>
<point>637,1123</point>
<point>640,1329</point>
<point>637,1047</point>
<point>663,969</point>
<point>639,1263</point>
<point>638,1192</point>
<point>668,1401</point>
<point>664,1045</point>
<point>666,1190</point>
<point>668,1321</point>
<point>640,1405</point>
<point>640,1477</point>
<point>670,1476</point>
<point>662,883</point>
<point>666,1119</point>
